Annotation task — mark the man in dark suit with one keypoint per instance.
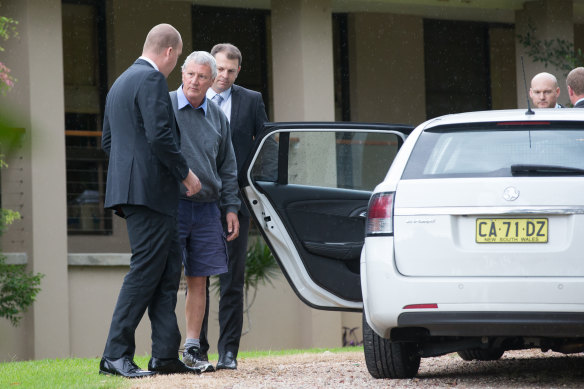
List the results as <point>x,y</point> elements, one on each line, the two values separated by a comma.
<point>575,83</point>
<point>145,170</point>
<point>246,113</point>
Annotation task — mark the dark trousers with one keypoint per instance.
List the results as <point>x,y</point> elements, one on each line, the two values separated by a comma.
<point>231,295</point>
<point>152,283</point>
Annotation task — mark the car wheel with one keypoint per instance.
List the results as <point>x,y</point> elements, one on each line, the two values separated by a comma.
<point>387,359</point>
<point>481,354</point>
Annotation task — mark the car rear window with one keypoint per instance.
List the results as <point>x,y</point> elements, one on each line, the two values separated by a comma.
<point>498,150</point>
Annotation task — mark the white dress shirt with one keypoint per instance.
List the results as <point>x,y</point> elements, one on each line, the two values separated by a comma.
<point>149,61</point>
<point>226,104</point>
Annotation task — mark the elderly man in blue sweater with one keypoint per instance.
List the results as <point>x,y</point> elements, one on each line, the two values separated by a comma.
<point>206,146</point>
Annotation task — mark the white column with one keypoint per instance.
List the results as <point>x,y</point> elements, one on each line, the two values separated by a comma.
<point>302,60</point>
<point>302,53</point>
<point>36,58</point>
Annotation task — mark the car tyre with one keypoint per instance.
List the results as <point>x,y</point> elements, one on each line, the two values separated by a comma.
<point>387,359</point>
<point>481,354</point>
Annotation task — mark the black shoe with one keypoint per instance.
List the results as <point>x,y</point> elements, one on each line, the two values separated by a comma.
<point>170,366</point>
<point>192,357</point>
<point>227,361</point>
<point>123,366</point>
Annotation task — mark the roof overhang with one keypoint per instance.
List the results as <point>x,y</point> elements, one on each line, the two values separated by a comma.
<point>495,11</point>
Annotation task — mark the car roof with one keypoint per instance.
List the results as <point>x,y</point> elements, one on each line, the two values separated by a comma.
<point>511,115</point>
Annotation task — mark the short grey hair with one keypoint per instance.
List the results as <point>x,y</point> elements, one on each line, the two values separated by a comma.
<point>201,58</point>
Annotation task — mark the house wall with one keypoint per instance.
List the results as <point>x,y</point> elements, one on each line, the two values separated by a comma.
<point>278,318</point>
<point>386,62</point>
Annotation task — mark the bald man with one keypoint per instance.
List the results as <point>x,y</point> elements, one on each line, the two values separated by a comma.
<point>544,91</point>
<point>575,84</point>
<point>145,170</point>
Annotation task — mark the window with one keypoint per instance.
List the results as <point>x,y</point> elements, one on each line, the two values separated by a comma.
<point>457,74</point>
<point>342,159</point>
<point>85,89</point>
<point>491,152</point>
<point>246,29</point>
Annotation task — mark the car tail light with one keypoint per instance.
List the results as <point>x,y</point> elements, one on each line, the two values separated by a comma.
<point>526,123</point>
<point>380,215</point>
<point>421,306</point>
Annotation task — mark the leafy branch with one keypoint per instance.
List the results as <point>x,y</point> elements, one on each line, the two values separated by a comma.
<point>260,268</point>
<point>7,30</point>
<point>557,52</point>
<point>18,289</point>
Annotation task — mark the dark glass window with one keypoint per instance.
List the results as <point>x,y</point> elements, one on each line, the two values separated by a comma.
<point>85,88</point>
<point>456,57</point>
<point>355,160</point>
<point>244,28</point>
<point>497,151</point>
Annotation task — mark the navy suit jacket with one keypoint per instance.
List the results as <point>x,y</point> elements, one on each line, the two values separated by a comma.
<point>248,115</point>
<point>141,137</point>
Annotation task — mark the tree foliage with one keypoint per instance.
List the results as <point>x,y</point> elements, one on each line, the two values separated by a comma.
<point>557,52</point>
<point>260,268</point>
<point>18,287</point>
<point>7,30</point>
<point>18,290</point>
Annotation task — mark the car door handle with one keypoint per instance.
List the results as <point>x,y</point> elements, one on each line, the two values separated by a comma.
<point>344,251</point>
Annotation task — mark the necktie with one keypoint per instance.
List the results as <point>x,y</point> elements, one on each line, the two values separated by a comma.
<point>218,99</point>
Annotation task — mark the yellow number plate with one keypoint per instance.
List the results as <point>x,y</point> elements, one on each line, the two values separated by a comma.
<point>512,230</point>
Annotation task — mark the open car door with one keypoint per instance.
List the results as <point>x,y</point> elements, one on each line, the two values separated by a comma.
<point>307,186</point>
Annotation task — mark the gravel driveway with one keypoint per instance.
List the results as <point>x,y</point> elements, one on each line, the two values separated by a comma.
<point>517,369</point>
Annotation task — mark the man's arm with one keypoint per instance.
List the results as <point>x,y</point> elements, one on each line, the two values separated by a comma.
<point>192,183</point>
<point>227,171</point>
<point>232,225</point>
<point>156,112</point>
<point>266,167</point>
<point>106,136</point>
<point>260,115</point>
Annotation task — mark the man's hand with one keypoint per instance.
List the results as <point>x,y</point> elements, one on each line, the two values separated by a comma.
<point>192,184</point>
<point>232,226</point>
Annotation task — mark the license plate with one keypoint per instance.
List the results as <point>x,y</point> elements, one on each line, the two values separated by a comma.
<point>512,230</point>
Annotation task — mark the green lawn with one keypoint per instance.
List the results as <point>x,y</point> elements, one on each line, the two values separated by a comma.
<point>83,372</point>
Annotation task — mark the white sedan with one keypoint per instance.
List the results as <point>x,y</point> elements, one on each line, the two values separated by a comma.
<point>474,239</point>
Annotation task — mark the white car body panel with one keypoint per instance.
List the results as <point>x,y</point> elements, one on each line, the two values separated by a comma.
<point>442,214</point>
<point>386,292</point>
<point>449,269</point>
